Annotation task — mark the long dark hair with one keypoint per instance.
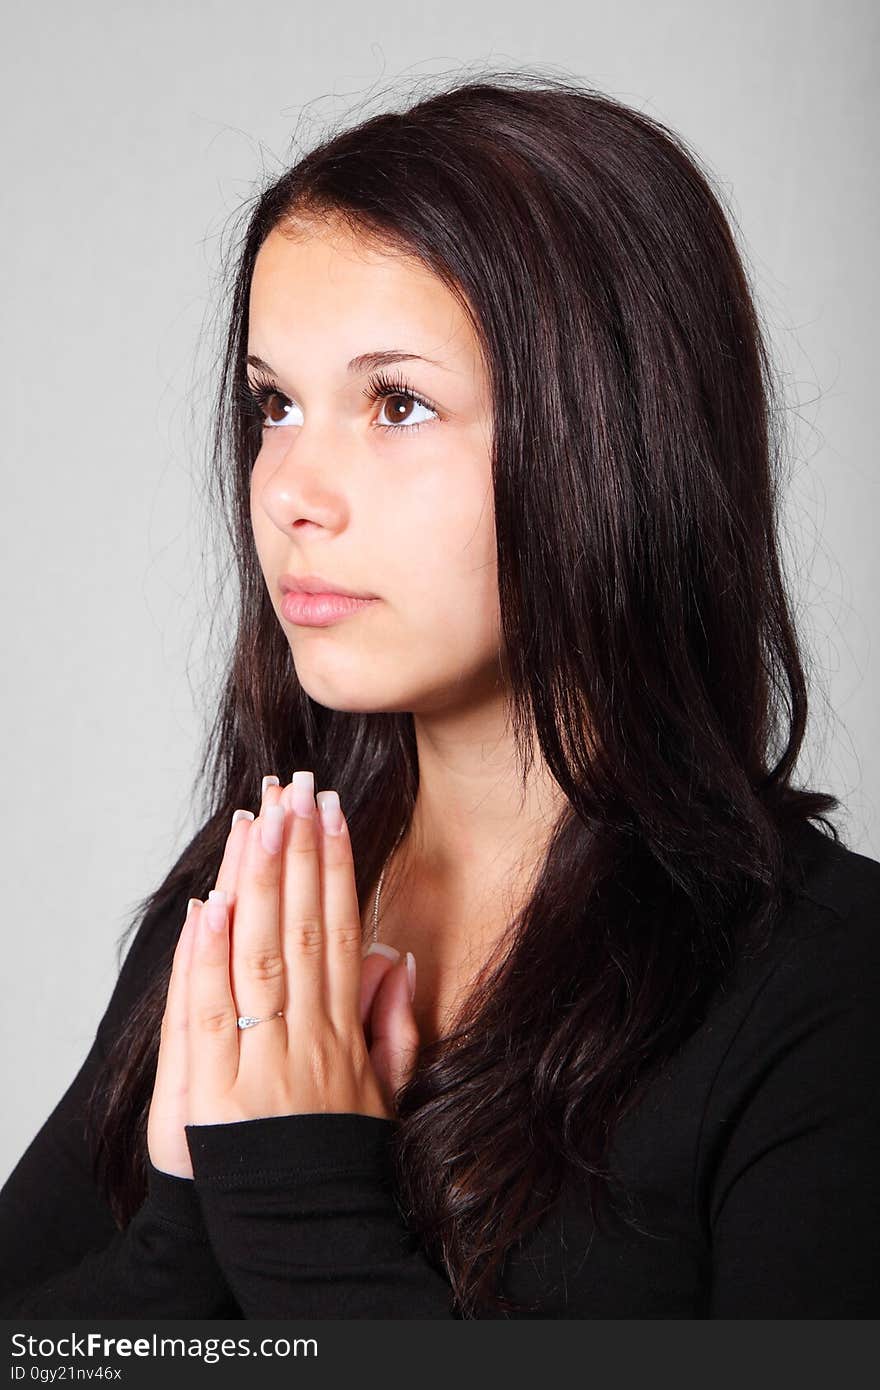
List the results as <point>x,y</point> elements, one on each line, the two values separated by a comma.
<point>648,642</point>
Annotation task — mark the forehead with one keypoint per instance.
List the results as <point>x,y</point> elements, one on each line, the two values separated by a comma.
<point>326,282</point>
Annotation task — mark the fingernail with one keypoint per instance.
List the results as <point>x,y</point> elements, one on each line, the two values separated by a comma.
<point>272,828</point>
<point>215,909</point>
<point>380,949</point>
<point>302,793</point>
<point>241,815</point>
<point>269,781</point>
<point>189,907</point>
<point>331,812</point>
<point>411,972</point>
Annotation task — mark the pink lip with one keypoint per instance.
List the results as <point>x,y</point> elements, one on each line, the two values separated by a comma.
<point>320,610</point>
<point>316,584</point>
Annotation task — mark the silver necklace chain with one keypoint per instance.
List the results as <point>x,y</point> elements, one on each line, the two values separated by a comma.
<point>379,887</point>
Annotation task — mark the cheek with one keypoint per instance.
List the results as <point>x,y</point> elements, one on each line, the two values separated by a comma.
<point>442,538</point>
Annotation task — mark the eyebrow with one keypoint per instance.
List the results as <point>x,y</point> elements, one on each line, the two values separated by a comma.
<point>366,361</point>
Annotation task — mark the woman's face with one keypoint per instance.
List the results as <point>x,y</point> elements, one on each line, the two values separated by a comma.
<point>403,513</point>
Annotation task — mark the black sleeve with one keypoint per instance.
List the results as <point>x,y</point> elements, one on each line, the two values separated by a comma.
<point>61,1252</point>
<point>302,1215</point>
<point>51,1212</point>
<point>160,1266</point>
<point>795,1210</point>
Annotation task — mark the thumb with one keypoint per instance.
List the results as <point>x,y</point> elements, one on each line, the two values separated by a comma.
<point>375,965</point>
<point>395,1033</point>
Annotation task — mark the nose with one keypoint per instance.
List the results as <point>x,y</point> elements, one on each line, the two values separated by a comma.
<point>297,486</point>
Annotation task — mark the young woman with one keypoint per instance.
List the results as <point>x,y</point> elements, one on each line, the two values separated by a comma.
<point>499,443</point>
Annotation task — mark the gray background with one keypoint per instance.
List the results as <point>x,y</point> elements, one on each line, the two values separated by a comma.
<point>132,133</point>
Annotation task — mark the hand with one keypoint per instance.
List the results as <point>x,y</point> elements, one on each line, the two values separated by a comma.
<point>169,1107</point>
<point>347,1039</point>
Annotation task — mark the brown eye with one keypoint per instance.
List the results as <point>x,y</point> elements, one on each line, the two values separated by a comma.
<point>263,399</point>
<point>399,408</point>
<point>275,407</point>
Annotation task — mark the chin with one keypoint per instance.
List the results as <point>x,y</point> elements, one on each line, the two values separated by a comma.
<point>335,692</point>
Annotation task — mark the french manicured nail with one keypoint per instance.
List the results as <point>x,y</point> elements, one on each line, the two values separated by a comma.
<point>272,828</point>
<point>411,974</point>
<point>331,812</point>
<point>189,907</point>
<point>380,949</point>
<point>270,781</point>
<point>241,815</point>
<point>302,793</point>
<point>215,909</point>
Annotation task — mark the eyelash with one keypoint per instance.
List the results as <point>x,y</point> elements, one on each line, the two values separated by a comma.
<point>257,392</point>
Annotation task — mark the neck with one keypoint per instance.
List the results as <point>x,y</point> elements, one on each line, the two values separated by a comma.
<point>473,816</point>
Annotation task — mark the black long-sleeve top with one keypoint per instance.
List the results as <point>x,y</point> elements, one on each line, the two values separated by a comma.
<point>753,1159</point>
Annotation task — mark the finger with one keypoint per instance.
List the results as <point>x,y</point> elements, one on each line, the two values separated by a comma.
<point>257,962</point>
<point>227,876</point>
<point>395,1035</point>
<point>302,926</point>
<point>212,1038</point>
<point>270,780</point>
<point>171,1066</point>
<point>378,960</point>
<point>343,933</point>
<point>236,840</point>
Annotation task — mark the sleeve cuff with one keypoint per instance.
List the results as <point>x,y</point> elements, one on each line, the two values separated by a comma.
<point>175,1200</point>
<point>291,1146</point>
<point>303,1216</point>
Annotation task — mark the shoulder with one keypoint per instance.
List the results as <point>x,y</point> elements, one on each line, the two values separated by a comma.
<point>801,1014</point>
<point>806,1009</point>
<point>790,1129</point>
<point>827,937</point>
<point>832,876</point>
<point>147,952</point>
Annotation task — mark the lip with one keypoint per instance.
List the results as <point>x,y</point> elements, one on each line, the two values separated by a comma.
<point>322,609</point>
<point>316,584</point>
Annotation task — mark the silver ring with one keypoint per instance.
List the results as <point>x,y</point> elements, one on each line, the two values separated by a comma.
<point>247,1021</point>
